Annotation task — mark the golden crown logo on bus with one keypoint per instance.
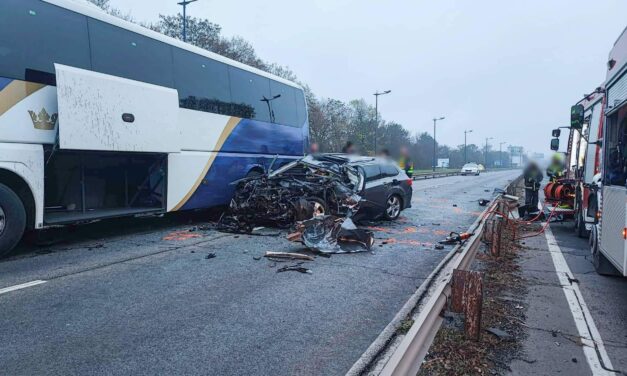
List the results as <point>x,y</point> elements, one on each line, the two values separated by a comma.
<point>43,120</point>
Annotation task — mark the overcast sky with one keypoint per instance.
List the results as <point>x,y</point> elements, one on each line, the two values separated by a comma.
<point>506,69</point>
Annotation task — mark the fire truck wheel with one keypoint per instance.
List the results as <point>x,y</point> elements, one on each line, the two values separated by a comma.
<point>600,262</point>
<point>12,219</point>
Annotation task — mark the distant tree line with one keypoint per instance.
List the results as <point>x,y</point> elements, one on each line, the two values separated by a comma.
<point>332,122</point>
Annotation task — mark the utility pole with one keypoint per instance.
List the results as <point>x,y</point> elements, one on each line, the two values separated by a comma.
<point>434,143</point>
<point>501,154</point>
<point>465,154</point>
<point>184,4</point>
<point>486,151</point>
<point>376,115</point>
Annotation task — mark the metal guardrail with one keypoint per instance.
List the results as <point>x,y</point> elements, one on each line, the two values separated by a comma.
<point>407,357</point>
<point>433,175</point>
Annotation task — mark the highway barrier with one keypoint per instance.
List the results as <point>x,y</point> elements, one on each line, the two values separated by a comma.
<point>396,354</point>
<point>443,174</point>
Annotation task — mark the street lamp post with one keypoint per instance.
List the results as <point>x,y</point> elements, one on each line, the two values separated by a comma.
<point>434,143</point>
<point>501,154</point>
<point>270,110</point>
<point>184,4</point>
<point>465,154</point>
<point>376,115</point>
<point>486,151</point>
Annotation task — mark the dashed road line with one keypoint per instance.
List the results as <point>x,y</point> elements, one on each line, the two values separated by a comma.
<point>593,346</point>
<point>21,286</point>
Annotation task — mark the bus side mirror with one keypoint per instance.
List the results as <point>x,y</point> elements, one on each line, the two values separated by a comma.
<point>556,132</point>
<point>576,117</point>
<point>555,144</point>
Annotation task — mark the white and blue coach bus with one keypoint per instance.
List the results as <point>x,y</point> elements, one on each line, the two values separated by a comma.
<point>103,118</point>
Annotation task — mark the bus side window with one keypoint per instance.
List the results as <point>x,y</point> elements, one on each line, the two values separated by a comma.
<point>284,107</point>
<point>34,35</point>
<point>122,53</point>
<point>248,90</point>
<point>202,83</point>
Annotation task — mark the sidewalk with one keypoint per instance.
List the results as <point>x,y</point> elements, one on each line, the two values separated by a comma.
<point>572,326</point>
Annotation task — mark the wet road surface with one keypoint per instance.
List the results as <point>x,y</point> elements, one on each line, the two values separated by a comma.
<point>140,297</point>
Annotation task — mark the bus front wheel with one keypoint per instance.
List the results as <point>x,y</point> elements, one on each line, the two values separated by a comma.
<point>12,219</point>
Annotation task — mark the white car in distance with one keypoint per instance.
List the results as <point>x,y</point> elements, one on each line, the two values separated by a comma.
<point>470,169</point>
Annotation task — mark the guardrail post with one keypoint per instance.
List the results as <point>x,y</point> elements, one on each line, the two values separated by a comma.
<point>457,290</point>
<point>473,300</point>
<point>467,298</point>
<point>497,228</point>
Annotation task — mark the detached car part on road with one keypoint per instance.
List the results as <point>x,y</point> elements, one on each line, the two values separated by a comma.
<point>317,185</point>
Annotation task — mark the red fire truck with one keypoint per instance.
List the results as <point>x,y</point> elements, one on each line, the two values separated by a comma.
<point>597,166</point>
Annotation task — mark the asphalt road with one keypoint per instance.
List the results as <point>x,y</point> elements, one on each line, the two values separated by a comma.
<point>140,297</point>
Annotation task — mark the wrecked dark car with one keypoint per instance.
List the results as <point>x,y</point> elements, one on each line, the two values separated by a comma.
<point>299,190</point>
<point>317,185</point>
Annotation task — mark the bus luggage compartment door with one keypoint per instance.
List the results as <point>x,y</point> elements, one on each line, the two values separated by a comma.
<point>108,113</point>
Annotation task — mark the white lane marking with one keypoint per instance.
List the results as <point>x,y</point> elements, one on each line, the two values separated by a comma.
<point>258,228</point>
<point>22,286</point>
<point>593,347</point>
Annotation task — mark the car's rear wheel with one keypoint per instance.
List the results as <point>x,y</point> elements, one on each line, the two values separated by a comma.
<point>393,207</point>
<point>12,219</point>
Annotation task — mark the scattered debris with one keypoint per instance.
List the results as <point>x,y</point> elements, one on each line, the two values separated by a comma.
<point>455,237</point>
<point>483,202</point>
<point>454,205</point>
<point>288,255</point>
<point>294,268</point>
<point>322,233</point>
<point>439,246</point>
<point>210,255</point>
<point>500,334</point>
<point>256,258</point>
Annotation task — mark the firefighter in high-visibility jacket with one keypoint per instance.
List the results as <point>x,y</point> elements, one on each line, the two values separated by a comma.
<point>556,169</point>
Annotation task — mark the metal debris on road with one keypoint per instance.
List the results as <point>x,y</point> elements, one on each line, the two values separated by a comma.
<point>288,255</point>
<point>456,237</point>
<point>483,202</point>
<point>294,268</point>
<point>325,233</point>
<point>210,255</point>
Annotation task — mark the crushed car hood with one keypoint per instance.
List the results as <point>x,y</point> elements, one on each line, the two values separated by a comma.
<point>313,185</point>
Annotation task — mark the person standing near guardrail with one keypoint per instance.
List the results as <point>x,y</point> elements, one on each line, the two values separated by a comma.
<point>405,162</point>
<point>533,176</point>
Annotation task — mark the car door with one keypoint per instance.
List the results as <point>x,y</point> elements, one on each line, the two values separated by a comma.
<point>374,190</point>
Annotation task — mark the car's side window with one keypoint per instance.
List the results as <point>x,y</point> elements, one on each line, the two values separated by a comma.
<point>389,170</point>
<point>373,172</point>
